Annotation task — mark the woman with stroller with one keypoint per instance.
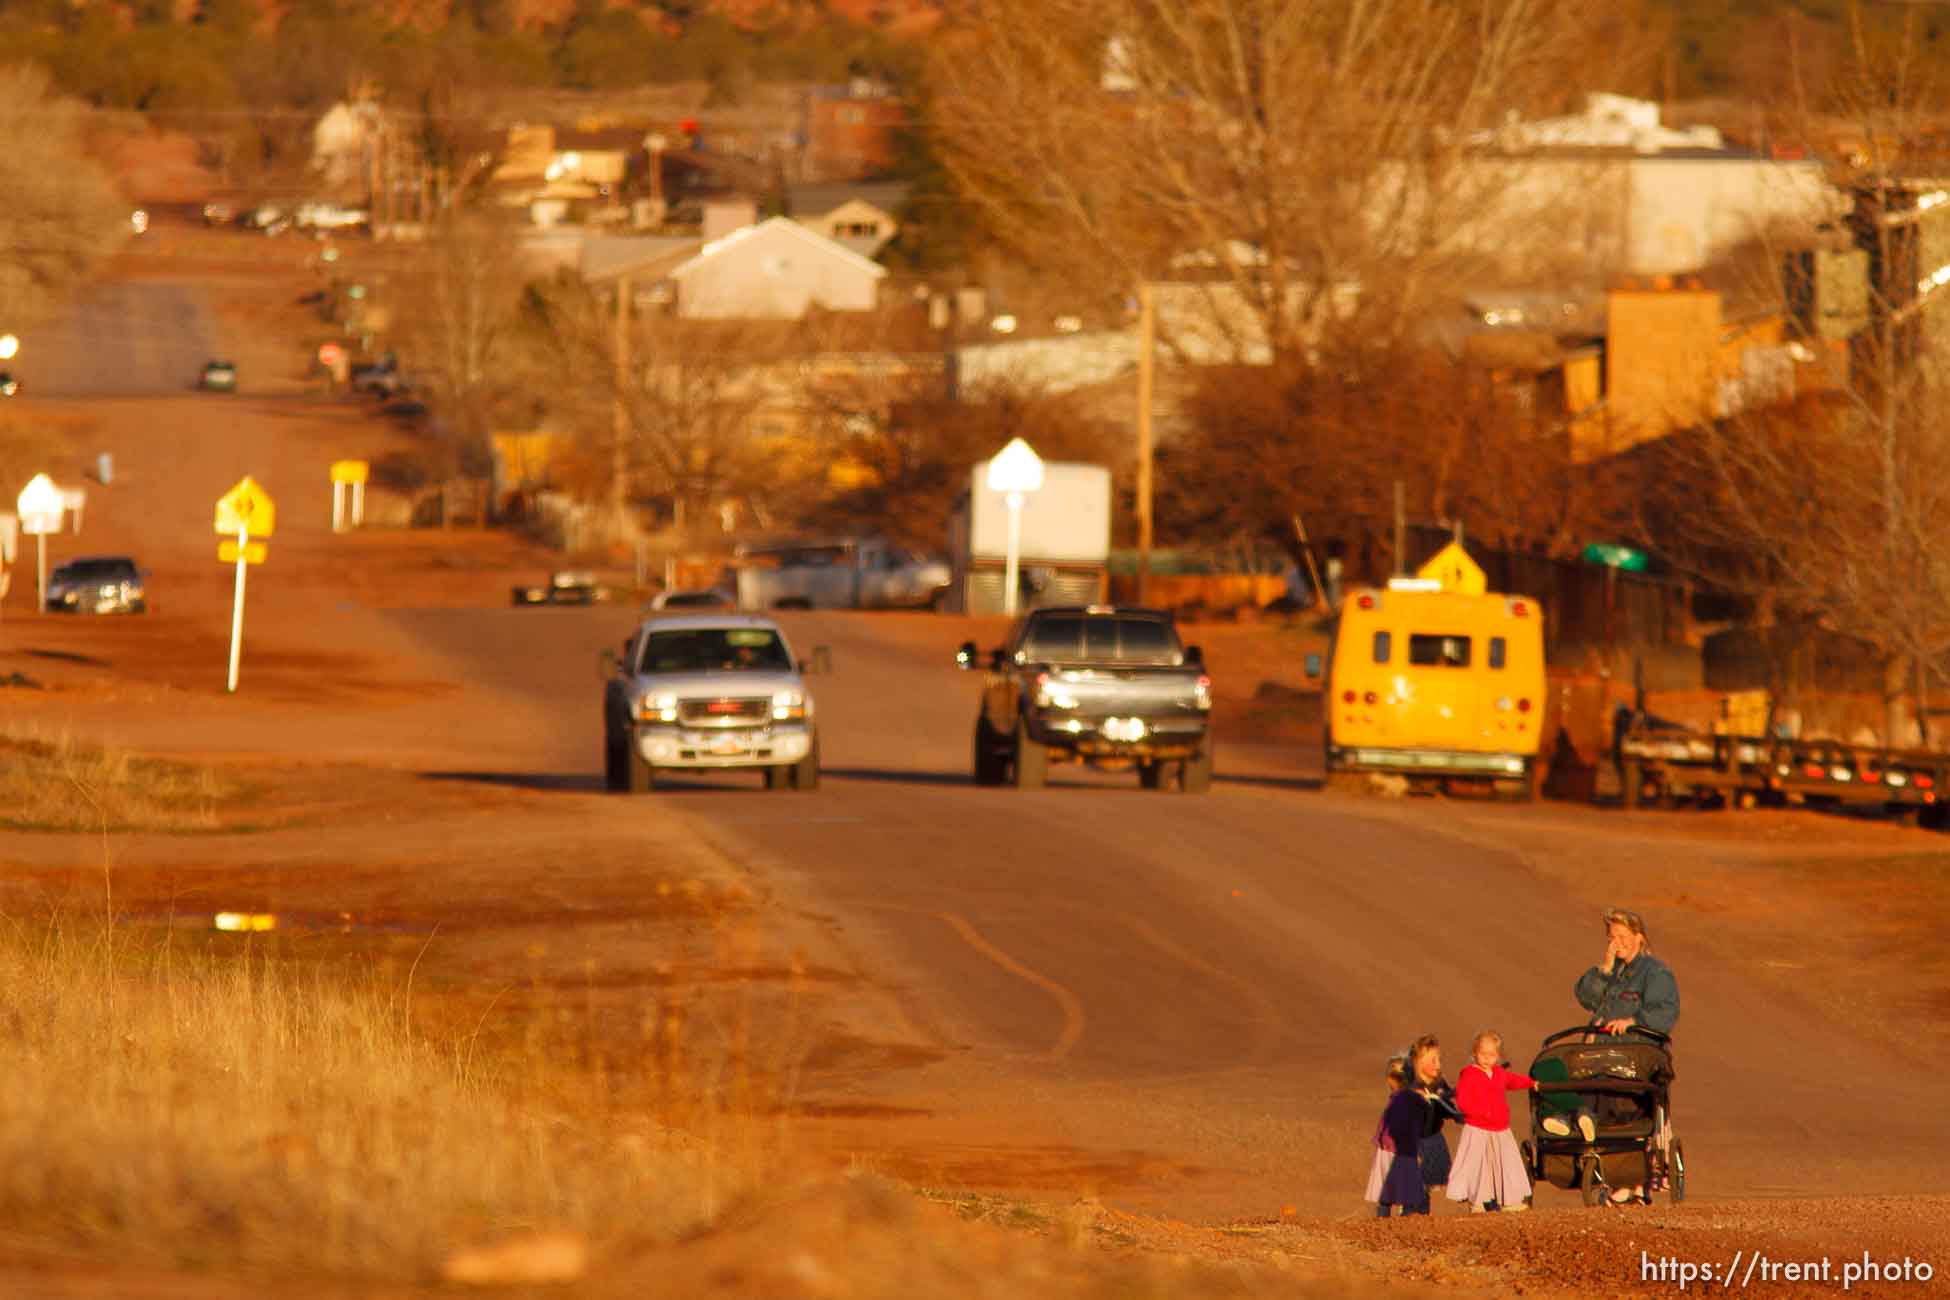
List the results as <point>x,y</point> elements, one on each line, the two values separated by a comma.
<point>1629,989</point>
<point>1630,986</point>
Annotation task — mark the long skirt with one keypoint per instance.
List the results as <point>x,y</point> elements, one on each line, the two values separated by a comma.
<point>1378,1174</point>
<point>1435,1160</point>
<point>1488,1167</point>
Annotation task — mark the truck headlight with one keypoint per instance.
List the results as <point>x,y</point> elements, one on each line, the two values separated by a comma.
<point>787,705</point>
<point>1053,695</point>
<point>657,708</point>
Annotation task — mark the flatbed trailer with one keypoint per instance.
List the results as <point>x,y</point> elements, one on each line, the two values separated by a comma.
<point>1675,766</point>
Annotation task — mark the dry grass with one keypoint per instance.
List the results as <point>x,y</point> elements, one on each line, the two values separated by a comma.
<point>61,784</point>
<point>236,1112</point>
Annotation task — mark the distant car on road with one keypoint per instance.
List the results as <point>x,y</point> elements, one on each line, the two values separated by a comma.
<point>218,377</point>
<point>706,692</point>
<point>381,378</point>
<point>564,587</point>
<point>719,597</point>
<point>8,384</point>
<point>97,584</point>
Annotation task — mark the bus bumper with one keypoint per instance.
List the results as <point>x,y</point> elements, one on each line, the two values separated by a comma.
<point>1428,762</point>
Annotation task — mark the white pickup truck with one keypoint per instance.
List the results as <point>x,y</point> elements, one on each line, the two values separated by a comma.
<point>706,692</point>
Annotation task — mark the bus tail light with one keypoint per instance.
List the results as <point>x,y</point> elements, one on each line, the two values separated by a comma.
<point>1519,608</point>
<point>1369,698</point>
<point>1366,600</point>
<point>1523,705</point>
<point>1347,697</point>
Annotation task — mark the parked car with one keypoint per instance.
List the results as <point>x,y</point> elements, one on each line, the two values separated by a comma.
<point>564,587</point>
<point>380,378</point>
<point>97,584</point>
<point>8,384</point>
<point>706,692</point>
<point>850,573</point>
<point>1111,687</point>
<point>218,377</point>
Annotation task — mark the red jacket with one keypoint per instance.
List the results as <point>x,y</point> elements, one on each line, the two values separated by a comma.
<point>1479,1095</point>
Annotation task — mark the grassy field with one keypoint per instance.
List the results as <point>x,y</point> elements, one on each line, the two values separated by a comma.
<point>294,1106</point>
<point>59,784</point>
<point>206,1109</point>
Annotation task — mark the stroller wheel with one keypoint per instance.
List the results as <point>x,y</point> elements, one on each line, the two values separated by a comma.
<point>1676,1173</point>
<point>1530,1162</point>
<point>1591,1181</point>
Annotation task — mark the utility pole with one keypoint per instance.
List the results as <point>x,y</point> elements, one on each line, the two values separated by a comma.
<point>619,414</point>
<point>1147,349</point>
<point>1401,529</point>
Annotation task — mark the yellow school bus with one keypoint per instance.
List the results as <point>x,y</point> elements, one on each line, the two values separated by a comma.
<point>1437,677</point>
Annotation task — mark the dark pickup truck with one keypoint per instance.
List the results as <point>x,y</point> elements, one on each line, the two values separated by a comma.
<point>1107,686</point>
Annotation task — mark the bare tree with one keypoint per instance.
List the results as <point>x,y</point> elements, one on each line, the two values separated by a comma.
<point>1317,158</point>
<point>1831,511</point>
<point>677,413</point>
<point>1485,449</point>
<point>61,211</point>
<point>458,310</point>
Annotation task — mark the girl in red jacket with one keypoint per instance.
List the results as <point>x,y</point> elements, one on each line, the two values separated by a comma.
<point>1488,1171</point>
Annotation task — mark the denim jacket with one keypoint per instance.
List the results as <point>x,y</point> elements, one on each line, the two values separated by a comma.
<point>1644,991</point>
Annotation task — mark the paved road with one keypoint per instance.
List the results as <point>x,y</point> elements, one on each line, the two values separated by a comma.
<point>121,338</point>
<point>1219,977</point>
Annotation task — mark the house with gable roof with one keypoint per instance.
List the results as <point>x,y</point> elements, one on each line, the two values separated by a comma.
<point>775,270</point>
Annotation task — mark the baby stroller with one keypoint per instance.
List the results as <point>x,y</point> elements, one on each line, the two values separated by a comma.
<point>1623,1083</point>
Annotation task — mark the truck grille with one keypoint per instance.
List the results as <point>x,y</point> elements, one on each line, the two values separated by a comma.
<point>725,712</point>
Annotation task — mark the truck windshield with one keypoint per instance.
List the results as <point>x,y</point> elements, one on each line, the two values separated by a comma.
<point>1102,638</point>
<point>715,650</point>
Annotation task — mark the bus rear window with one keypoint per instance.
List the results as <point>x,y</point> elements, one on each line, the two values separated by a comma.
<point>1496,652</point>
<point>1383,647</point>
<point>1426,651</point>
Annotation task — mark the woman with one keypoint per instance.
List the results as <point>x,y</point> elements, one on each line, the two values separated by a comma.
<point>1629,989</point>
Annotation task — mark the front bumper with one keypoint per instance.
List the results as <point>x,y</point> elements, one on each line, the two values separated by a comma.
<point>1121,737</point>
<point>770,746</point>
<point>1428,762</point>
<point>91,602</point>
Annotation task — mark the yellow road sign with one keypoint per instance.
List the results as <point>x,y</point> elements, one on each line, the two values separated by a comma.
<point>246,506</point>
<point>1452,567</point>
<point>349,471</point>
<point>253,553</point>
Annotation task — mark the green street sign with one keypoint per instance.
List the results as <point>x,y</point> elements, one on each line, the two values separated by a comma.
<point>1614,556</point>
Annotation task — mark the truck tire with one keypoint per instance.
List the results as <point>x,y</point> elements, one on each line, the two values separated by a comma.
<point>779,777</point>
<point>643,777</point>
<point>1197,771</point>
<point>805,772</point>
<point>1151,774</point>
<point>1031,760</point>
<point>615,758</point>
<point>990,765</point>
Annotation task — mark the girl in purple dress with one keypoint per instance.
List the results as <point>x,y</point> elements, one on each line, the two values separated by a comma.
<point>1395,1174</point>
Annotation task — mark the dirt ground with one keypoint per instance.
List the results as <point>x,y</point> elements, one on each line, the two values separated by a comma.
<point>384,802</point>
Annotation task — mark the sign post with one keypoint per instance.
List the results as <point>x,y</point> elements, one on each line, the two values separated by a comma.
<point>242,511</point>
<point>349,482</point>
<point>1015,472</point>
<point>1614,557</point>
<point>9,533</point>
<point>40,506</point>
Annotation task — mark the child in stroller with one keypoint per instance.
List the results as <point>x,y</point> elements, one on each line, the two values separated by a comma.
<point>1601,1119</point>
